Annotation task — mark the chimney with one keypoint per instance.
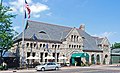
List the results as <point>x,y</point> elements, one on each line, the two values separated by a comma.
<point>82,27</point>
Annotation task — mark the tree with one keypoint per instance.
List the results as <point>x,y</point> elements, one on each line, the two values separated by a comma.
<point>115,45</point>
<point>6,32</point>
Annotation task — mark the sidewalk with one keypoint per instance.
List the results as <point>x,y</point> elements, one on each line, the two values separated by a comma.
<point>33,69</point>
<point>108,67</point>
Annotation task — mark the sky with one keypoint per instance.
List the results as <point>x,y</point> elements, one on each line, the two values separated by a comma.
<point>100,17</point>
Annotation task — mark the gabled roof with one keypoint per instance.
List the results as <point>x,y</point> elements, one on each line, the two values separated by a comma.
<point>89,42</point>
<point>98,40</point>
<point>55,33</point>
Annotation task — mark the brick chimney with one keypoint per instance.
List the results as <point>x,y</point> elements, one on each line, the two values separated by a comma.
<point>82,27</point>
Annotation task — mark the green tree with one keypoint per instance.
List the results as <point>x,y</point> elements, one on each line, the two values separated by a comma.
<point>115,45</point>
<point>6,31</point>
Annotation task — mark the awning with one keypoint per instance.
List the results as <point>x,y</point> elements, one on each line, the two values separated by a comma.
<point>77,55</point>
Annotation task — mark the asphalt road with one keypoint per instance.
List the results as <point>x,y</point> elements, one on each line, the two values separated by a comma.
<point>105,69</point>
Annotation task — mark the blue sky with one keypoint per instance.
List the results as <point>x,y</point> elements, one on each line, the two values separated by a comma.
<point>101,17</point>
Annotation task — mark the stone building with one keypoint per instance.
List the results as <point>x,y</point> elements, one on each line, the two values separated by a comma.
<point>43,39</point>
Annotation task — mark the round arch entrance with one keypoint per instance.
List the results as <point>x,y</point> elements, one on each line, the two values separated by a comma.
<point>79,58</point>
<point>98,59</point>
<point>92,59</point>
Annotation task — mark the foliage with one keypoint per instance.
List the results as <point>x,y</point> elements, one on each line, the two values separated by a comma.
<point>115,45</point>
<point>6,31</point>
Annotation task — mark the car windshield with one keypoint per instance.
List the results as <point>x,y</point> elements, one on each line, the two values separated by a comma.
<point>43,64</point>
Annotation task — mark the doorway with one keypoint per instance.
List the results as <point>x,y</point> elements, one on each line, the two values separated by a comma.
<point>78,61</point>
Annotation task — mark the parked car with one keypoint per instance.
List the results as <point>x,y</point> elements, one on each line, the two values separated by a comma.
<point>48,66</point>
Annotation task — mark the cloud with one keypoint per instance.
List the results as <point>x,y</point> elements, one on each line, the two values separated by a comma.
<point>45,0</point>
<point>49,14</point>
<point>105,34</point>
<point>36,8</point>
<point>16,28</point>
<point>36,15</point>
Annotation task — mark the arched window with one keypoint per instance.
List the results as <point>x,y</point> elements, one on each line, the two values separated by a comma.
<point>106,56</point>
<point>31,44</point>
<point>71,37</point>
<point>27,45</point>
<point>43,45</point>
<point>69,46</point>
<point>40,45</point>
<point>77,38</point>
<point>98,59</point>
<point>92,59</point>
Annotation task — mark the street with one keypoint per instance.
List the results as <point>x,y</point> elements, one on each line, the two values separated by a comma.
<point>92,69</point>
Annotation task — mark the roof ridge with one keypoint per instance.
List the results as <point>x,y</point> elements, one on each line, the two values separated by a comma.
<point>49,23</point>
<point>97,37</point>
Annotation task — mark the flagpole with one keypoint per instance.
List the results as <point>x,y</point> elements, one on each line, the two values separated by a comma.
<point>1,2</point>
<point>23,22</point>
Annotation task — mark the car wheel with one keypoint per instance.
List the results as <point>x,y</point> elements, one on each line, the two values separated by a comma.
<point>43,69</point>
<point>56,68</point>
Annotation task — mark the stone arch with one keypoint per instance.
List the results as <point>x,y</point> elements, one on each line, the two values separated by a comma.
<point>70,53</point>
<point>87,57</point>
<point>93,59</point>
<point>105,58</point>
<point>98,59</point>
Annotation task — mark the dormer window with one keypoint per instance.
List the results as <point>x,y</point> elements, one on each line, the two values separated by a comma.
<point>99,45</point>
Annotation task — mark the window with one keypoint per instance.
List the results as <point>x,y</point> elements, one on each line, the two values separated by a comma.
<point>34,44</point>
<point>77,38</point>
<point>52,46</point>
<point>74,46</point>
<point>31,45</point>
<point>100,45</point>
<point>55,46</point>
<point>69,46</point>
<point>40,45</point>
<point>71,37</point>
<point>58,46</point>
<point>79,46</point>
<point>27,44</point>
<point>43,45</point>
<point>49,64</point>
<point>74,38</point>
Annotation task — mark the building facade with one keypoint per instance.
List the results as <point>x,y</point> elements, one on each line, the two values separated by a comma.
<point>115,56</point>
<point>43,39</point>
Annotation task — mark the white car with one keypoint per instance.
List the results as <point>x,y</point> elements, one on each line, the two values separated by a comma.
<point>48,66</point>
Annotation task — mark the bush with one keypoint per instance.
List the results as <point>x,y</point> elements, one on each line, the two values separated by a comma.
<point>1,67</point>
